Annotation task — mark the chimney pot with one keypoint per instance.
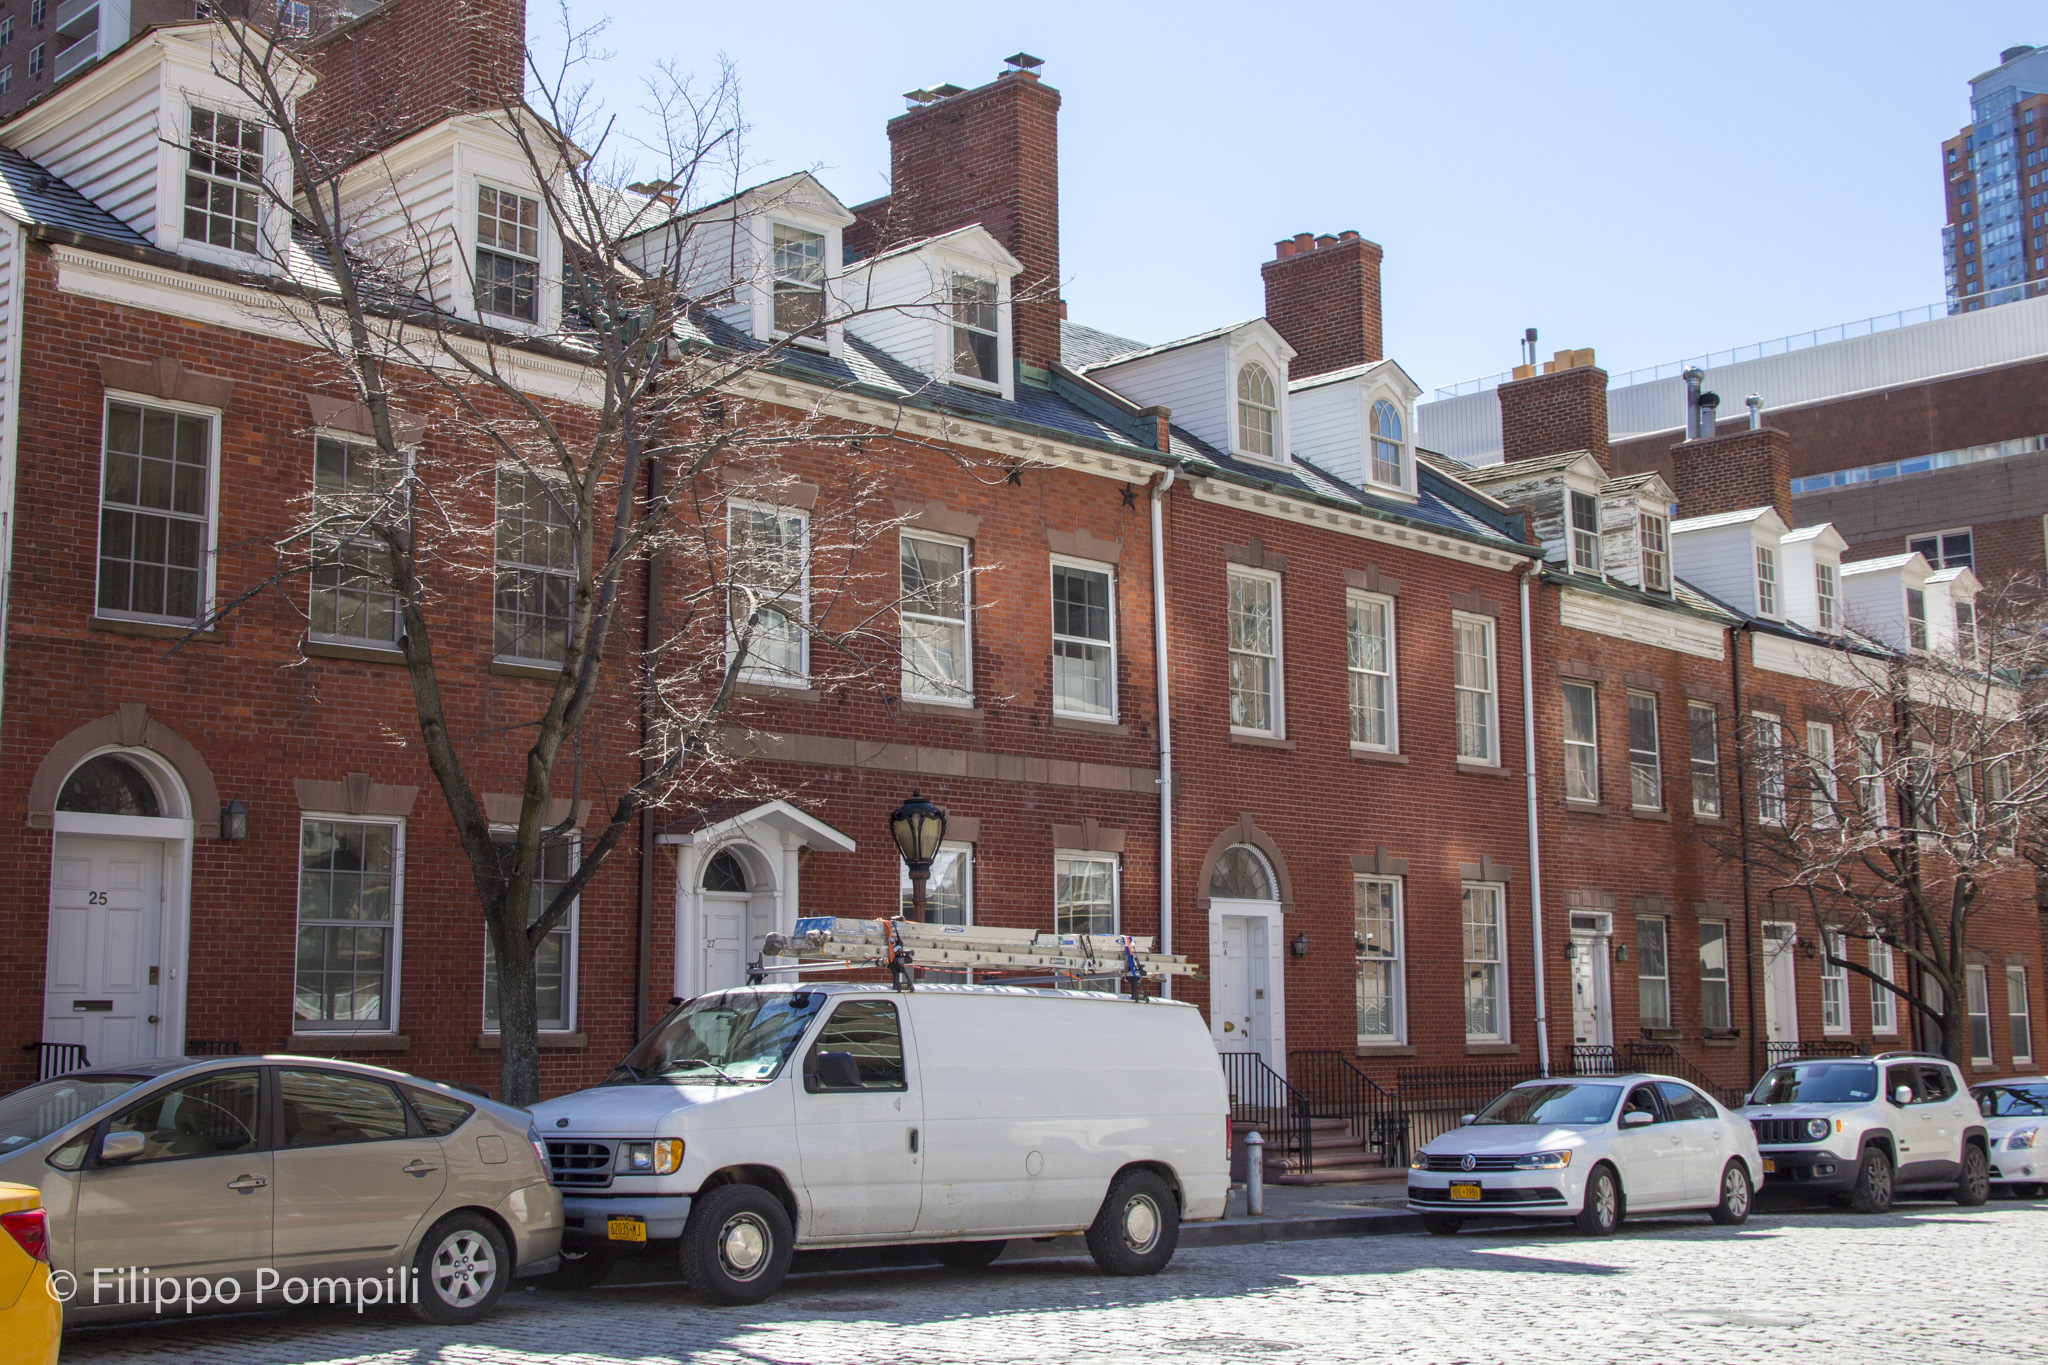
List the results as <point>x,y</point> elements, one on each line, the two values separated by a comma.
<point>1325,240</point>
<point>1283,247</point>
<point>1347,236</point>
<point>1304,241</point>
<point>1328,307</point>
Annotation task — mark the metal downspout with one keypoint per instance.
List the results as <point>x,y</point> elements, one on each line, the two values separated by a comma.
<point>1535,841</point>
<point>1161,672</point>
<point>643,936</point>
<point>1751,949</point>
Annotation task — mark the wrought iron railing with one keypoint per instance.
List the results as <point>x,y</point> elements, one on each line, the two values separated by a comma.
<point>1434,1098</point>
<point>1336,1088</point>
<point>57,1059</point>
<point>212,1047</point>
<point>1262,1098</point>
<point>1794,1050</point>
<point>1594,1059</point>
<point>1664,1059</point>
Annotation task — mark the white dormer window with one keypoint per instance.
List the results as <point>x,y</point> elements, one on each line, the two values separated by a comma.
<point>507,254</point>
<point>1654,534</point>
<point>975,340</point>
<point>223,180</point>
<point>1966,631</point>
<point>1257,410</point>
<point>1766,581</point>
<point>1827,596</point>
<point>799,279</point>
<point>1386,444</point>
<point>1916,619</point>
<point>294,18</point>
<point>1585,520</point>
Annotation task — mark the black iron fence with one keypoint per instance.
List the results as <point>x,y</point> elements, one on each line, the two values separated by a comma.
<point>1337,1089</point>
<point>57,1059</point>
<point>1434,1099</point>
<point>1262,1098</point>
<point>1795,1050</point>
<point>212,1047</point>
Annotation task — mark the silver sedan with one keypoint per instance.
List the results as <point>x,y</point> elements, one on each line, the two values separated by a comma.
<point>177,1186</point>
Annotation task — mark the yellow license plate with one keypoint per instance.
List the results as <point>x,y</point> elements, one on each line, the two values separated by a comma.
<point>1769,1166</point>
<point>625,1229</point>
<point>1466,1189</point>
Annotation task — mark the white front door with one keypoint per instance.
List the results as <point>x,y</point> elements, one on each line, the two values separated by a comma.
<point>106,915</point>
<point>1243,1014</point>
<point>1592,1021</point>
<point>1781,983</point>
<point>725,941</point>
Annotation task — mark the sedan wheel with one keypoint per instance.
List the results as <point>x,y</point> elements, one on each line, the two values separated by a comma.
<point>1603,1207</point>
<point>1735,1196</point>
<point>461,1269</point>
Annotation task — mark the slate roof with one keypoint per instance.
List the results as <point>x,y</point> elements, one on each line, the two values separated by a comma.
<point>30,194</point>
<point>1198,337</point>
<point>1081,346</point>
<point>1717,519</point>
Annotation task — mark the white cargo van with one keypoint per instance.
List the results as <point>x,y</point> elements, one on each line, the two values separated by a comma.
<point>751,1123</point>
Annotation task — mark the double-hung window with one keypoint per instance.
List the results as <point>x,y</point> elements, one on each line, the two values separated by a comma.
<point>948,887</point>
<point>353,488</point>
<point>1654,537</point>
<point>1704,723</point>
<point>1653,973</point>
<point>799,266</point>
<point>1770,768</point>
<point>1834,983</point>
<point>1645,766</point>
<point>1473,684</point>
<point>1827,596</point>
<point>2019,1016</point>
<point>1258,411</point>
<point>223,180</point>
<point>1714,1008</point>
<point>1966,631</point>
<point>1369,643</point>
<point>554,960</point>
<point>1766,581</point>
<point>934,618</point>
<point>1923,785</point>
<point>2001,818</point>
<point>1581,743</point>
<point>1255,697</point>
<point>1884,1016</point>
<point>156,527</point>
<point>1980,1012</point>
<point>1386,445</point>
<point>1083,641</point>
<point>976,352</point>
<point>507,254</point>
<point>1945,549</point>
<point>536,568</point>
<point>1870,779</point>
<point>1585,519</point>
<point>1916,618</point>
<point>1485,962</point>
<point>351,881</point>
<point>770,570</point>
<point>1820,761</point>
<point>1376,905</point>
<point>1084,899</point>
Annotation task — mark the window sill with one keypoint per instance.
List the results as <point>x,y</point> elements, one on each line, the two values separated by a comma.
<point>549,1039</point>
<point>1585,807</point>
<point>1699,819</point>
<point>1385,1050</point>
<point>1977,1064</point>
<point>156,630</point>
<point>539,672</point>
<point>1261,741</point>
<point>1493,1049</point>
<point>942,710</point>
<point>1472,769</point>
<point>969,382</point>
<point>1084,726</point>
<point>1377,756</point>
<point>362,654</point>
<point>1663,1035</point>
<point>321,1044</point>
<point>1721,1040</point>
<point>777,691</point>
<point>1639,813</point>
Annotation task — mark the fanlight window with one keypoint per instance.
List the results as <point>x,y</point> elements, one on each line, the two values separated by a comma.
<point>1386,443</point>
<point>108,785</point>
<point>1242,875</point>
<point>1256,410</point>
<point>725,873</point>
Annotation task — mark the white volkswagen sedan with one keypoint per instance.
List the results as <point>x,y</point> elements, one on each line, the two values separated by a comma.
<point>2016,1122</point>
<point>1592,1150</point>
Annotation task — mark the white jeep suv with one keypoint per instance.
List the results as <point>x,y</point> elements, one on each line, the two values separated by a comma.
<point>1866,1127</point>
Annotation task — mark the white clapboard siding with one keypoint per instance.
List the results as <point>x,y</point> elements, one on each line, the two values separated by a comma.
<point>109,151</point>
<point>1720,562</point>
<point>895,307</point>
<point>1188,379</point>
<point>1327,424</point>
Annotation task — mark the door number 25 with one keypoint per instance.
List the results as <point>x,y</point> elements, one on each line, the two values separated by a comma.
<point>95,898</point>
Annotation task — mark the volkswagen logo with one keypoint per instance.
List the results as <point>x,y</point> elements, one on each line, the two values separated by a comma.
<point>1470,1163</point>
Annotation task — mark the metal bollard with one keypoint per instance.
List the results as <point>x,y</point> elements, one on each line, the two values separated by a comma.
<point>1254,1174</point>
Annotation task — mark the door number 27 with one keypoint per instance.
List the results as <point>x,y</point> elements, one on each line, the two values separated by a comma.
<point>95,898</point>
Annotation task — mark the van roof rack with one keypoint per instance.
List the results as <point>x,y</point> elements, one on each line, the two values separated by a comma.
<point>842,943</point>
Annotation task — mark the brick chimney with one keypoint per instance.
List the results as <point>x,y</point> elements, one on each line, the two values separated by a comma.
<point>1751,467</point>
<point>409,65</point>
<point>1323,296</point>
<point>991,156</point>
<point>1562,409</point>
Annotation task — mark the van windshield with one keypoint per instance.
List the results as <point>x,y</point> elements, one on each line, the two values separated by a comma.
<point>738,1038</point>
<point>1817,1083</point>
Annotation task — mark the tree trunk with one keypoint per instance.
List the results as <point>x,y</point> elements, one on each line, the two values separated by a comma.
<point>518,1029</point>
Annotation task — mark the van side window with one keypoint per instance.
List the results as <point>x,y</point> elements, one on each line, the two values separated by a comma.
<point>860,1048</point>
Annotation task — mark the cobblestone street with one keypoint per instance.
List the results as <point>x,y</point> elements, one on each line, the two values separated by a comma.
<point>1927,1283</point>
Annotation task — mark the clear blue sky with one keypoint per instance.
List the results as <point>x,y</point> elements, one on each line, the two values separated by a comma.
<point>1651,180</point>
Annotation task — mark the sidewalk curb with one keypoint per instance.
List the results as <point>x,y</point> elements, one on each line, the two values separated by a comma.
<point>1241,1231</point>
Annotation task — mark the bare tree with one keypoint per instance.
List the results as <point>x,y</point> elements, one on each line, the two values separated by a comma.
<point>657,481</point>
<point>1905,804</point>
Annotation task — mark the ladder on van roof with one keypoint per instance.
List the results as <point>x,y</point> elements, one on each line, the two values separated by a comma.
<point>841,943</point>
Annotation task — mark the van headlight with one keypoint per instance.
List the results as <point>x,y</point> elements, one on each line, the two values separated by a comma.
<point>2022,1139</point>
<point>1543,1161</point>
<point>659,1157</point>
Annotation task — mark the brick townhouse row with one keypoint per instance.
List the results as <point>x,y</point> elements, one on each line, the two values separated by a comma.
<point>1218,578</point>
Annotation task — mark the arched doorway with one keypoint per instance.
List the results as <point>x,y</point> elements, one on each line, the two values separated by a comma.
<point>726,906</point>
<point>1246,1013</point>
<point>113,979</point>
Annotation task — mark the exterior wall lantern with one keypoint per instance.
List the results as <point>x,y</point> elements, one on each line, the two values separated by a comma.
<point>1299,947</point>
<point>919,828</point>
<point>234,822</point>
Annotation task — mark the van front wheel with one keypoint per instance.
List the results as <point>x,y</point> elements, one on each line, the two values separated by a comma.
<point>737,1244</point>
<point>1138,1226</point>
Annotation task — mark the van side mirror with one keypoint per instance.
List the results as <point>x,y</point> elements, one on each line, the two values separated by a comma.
<point>122,1146</point>
<point>835,1071</point>
<point>1903,1095</point>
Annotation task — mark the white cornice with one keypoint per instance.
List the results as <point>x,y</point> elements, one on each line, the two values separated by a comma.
<point>1641,624</point>
<point>1308,512</point>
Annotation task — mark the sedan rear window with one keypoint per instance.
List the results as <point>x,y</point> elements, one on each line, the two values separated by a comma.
<point>1566,1104</point>
<point>32,1114</point>
<point>1817,1083</point>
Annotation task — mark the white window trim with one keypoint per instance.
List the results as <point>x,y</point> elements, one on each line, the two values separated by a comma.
<point>2019,1058</point>
<point>1500,894</point>
<point>499,566</point>
<point>1834,945</point>
<point>1569,686</point>
<point>1278,729</point>
<point>1775,581</point>
<point>1926,635</point>
<point>1645,514</point>
<point>570,922</point>
<point>1399,962</point>
<point>1725,978</point>
<point>1489,626</point>
<point>1870,793</point>
<point>1827,605</point>
<point>1573,531</point>
<point>1973,974</point>
<point>209,554</point>
<point>1941,555</point>
<point>826,293</point>
<point>392,988</point>
<point>1663,927</point>
<point>964,849</point>
<point>1884,1005</point>
<point>1404,448</point>
<point>176,163</point>
<point>1656,754</point>
<point>1116,882</point>
<point>1826,797</point>
<point>1094,566</point>
<point>948,267</point>
<point>1236,358</point>
<point>966,547</point>
<point>541,262</point>
<point>1393,744</point>
<point>770,677</point>
<point>356,441</point>
<point>1770,786</point>
<point>1693,766</point>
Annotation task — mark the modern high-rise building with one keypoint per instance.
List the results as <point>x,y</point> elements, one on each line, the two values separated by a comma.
<point>1995,246</point>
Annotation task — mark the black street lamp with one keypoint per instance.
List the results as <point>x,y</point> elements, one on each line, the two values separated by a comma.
<point>919,828</point>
